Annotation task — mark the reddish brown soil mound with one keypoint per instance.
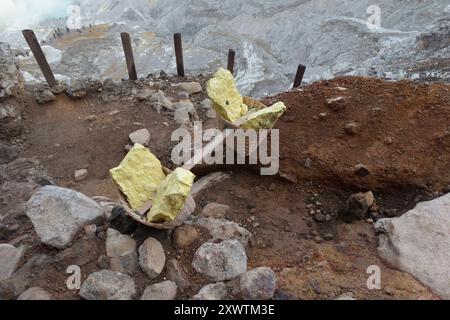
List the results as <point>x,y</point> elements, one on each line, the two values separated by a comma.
<point>395,133</point>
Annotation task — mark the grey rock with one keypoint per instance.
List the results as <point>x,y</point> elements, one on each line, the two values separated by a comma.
<point>258,284</point>
<point>122,251</point>
<point>141,136</point>
<point>24,170</point>
<point>10,258</point>
<point>214,291</point>
<point>80,174</point>
<point>181,116</point>
<point>10,121</point>
<point>43,95</point>
<point>35,293</point>
<point>58,214</point>
<point>216,210</point>
<point>206,104</point>
<point>176,273</point>
<point>189,87</point>
<point>81,87</point>
<point>108,285</point>
<point>58,88</point>
<point>220,261</point>
<point>152,257</point>
<point>11,79</point>
<point>23,277</point>
<point>418,242</point>
<point>184,105</point>
<point>219,229</point>
<point>143,94</point>
<point>166,290</point>
<point>162,101</point>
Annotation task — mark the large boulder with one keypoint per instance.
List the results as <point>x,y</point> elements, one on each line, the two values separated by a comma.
<point>220,261</point>
<point>418,242</point>
<point>108,285</point>
<point>122,252</point>
<point>58,214</point>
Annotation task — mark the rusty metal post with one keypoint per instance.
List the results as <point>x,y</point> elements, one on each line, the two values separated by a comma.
<point>126,43</point>
<point>39,55</point>
<point>299,76</point>
<point>231,55</point>
<point>179,54</point>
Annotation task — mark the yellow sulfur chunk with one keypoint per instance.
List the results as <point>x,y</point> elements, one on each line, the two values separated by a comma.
<point>138,176</point>
<point>171,196</point>
<point>264,118</point>
<point>228,102</point>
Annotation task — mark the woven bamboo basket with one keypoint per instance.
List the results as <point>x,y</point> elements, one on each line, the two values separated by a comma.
<point>183,215</point>
<point>252,104</point>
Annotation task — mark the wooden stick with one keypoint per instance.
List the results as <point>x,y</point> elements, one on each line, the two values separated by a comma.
<point>126,42</point>
<point>179,54</point>
<point>231,55</point>
<point>39,55</point>
<point>299,76</point>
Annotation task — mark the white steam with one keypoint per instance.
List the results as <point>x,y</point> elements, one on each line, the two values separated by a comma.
<point>19,14</point>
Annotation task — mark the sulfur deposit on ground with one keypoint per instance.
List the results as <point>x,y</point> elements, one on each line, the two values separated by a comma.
<point>338,138</point>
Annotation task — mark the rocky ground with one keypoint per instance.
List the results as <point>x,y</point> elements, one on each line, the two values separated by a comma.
<point>347,150</point>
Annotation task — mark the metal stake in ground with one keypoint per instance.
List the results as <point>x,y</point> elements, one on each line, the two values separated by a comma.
<point>39,55</point>
<point>126,42</point>
<point>231,55</point>
<point>299,76</point>
<point>179,54</point>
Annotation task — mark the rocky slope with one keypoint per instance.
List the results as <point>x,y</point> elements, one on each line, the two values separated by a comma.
<point>270,37</point>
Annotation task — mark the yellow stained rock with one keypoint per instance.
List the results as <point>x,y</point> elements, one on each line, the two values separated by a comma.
<point>227,101</point>
<point>138,176</point>
<point>171,196</point>
<point>264,118</point>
